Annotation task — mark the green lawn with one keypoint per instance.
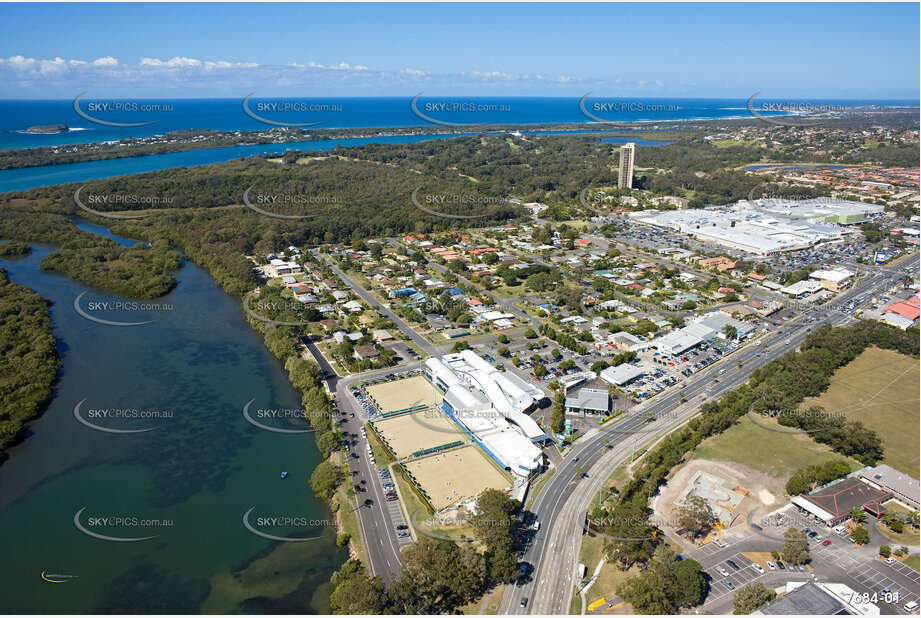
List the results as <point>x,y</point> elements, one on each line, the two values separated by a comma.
<point>905,538</point>
<point>879,388</point>
<point>349,521</point>
<point>775,453</point>
<point>610,576</point>
<point>913,562</point>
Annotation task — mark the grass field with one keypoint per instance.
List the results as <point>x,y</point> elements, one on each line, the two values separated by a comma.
<point>610,576</point>
<point>403,394</point>
<point>413,432</point>
<point>456,476</point>
<point>772,452</point>
<point>914,562</point>
<point>879,388</point>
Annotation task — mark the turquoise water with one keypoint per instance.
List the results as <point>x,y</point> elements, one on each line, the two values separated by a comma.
<point>188,481</point>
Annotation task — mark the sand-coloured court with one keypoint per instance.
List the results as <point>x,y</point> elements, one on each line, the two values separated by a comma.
<point>417,431</point>
<point>403,394</point>
<point>456,476</point>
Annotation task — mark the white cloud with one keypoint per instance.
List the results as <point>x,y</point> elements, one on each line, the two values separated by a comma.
<point>108,61</point>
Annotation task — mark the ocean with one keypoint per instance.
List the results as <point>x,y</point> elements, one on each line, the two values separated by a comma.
<point>229,115</point>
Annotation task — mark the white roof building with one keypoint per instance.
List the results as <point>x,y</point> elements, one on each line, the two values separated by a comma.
<point>621,374</point>
<point>801,288</point>
<point>491,405</point>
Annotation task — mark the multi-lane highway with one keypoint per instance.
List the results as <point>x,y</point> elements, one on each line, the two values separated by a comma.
<point>563,501</point>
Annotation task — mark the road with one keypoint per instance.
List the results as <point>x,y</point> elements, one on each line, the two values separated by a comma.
<point>428,348</point>
<point>564,499</point>
<point>505,303</point>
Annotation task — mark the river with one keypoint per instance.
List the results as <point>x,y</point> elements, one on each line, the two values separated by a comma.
<point>25,178</point>
<point>186,482</point>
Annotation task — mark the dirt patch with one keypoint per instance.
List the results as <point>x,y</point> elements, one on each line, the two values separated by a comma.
<point>759,491</point>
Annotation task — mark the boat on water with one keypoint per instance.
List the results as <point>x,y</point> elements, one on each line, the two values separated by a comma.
<point>284,475</point>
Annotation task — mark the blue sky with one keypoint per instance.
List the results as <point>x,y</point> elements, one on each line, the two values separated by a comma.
<point>841,50</point>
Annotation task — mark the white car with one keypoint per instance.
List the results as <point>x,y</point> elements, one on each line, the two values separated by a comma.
<point>771,565</point>
<point>758,568</point>
<point>723,572</point>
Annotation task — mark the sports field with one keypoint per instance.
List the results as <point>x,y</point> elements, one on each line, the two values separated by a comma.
<point>413,432</point>
<point>403,394</point>
<point>456,476</point>
<point>879,388</point>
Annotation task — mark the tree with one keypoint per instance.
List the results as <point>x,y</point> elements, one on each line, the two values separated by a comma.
<point>355,592</point>
<point>324,480</point>
<point>558,416</point>
<point>795,549</point>
<point>502,338</point>
<point>327,442</point>
<point>503,351</point>
<point>540,371</point>
<point>696,518</point>
<point>530,334</point>
<point>751,597</point>
<point>730,331</point>
<point>858,514</point>
<point>691,584</point>
<point>494,522</point>
<point>861,535</point>
<point>885,551</point>
<point>490,258</point>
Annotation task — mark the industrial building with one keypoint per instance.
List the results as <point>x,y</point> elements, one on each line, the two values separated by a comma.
<point>903,488</point>
<point>490,406</point>
<point>702,329</point>
<point>765,227</point>
<point>621,374</point>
